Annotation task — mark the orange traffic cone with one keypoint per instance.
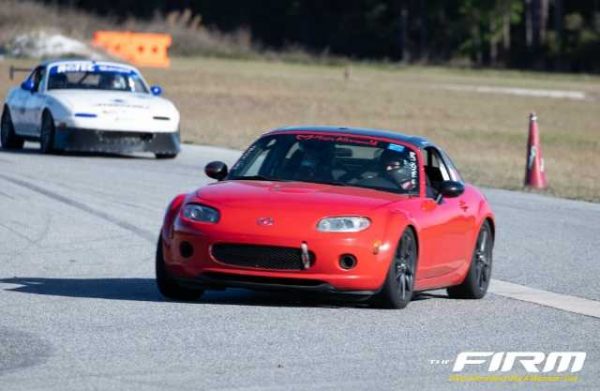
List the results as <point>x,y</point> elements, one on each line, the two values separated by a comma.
<point>535,177</point>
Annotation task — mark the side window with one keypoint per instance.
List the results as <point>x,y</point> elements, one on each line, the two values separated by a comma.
<point>436,171</point>
<point>452,170</point>
<point>38,77</point>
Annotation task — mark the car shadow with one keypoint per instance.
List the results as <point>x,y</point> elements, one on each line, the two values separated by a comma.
<point>23,151</point>
<point>144,289</point>
<point>136,289</point>
<point>429,295</point>
<point>35,151</point>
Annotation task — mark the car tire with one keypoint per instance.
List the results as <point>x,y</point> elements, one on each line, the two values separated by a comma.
<point>478,277</point>
<point>398,288</point>
<point>162,156</point>
<point>8,137</point>
<point>167,287</point>
<point>47,134</point>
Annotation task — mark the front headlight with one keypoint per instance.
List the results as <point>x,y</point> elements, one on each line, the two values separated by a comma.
<point>202,213</point>
<point>343,224</point>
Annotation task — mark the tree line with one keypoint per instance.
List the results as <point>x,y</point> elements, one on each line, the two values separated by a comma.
<point>556,35</point>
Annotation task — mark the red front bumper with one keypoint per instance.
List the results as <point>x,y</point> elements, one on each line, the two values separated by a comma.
<point>373,255</point>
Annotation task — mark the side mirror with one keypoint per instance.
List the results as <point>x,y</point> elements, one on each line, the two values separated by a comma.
<point>156,90</point>
<point>216,170</point>
<point>28,85</point>
<point>450,189</point>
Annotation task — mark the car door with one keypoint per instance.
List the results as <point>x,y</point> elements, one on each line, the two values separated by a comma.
<point>447,220</point>
<point>466,228</point>
<point>34,103</point>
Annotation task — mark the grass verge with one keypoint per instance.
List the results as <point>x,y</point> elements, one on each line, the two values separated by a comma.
<point>230,102</point>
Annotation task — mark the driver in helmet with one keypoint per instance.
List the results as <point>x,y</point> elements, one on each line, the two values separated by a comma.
<point>394,172</point>
<point>112,82</point>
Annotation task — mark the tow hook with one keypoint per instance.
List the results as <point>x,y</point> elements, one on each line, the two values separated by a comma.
<point>305,255</point>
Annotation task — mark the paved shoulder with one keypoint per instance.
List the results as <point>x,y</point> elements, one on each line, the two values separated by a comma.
<point>547,243</point>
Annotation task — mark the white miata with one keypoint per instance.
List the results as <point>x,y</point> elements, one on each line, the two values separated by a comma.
<point>95,106</point>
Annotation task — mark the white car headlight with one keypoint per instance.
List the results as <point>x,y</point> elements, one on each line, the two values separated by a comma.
<point>343,224</point>
<point>202,213</point>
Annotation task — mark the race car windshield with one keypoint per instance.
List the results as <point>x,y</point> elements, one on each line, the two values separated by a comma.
<point>330,159</point>
<point>95,78</point>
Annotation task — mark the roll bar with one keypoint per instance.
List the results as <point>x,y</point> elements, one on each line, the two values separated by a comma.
<point>12,70</point>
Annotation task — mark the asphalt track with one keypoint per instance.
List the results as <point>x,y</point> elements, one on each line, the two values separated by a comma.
<point>79,309</point>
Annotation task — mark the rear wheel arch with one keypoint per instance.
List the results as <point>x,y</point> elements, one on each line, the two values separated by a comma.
<point>412,228</point>
<point>477,228</point>
<point>485,211</point>
<point>492,224</point>
<point>476,281</point>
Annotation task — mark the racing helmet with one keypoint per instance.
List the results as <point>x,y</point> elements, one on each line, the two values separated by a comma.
<point>112,81</point>
<point>396,166</point>
<point>118,82</point>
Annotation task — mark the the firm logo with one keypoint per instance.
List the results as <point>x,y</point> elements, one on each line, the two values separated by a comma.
<point>265,221</point>
<point>532,362</point>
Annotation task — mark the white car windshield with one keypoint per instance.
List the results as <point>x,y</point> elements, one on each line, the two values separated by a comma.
<point>83,76</point>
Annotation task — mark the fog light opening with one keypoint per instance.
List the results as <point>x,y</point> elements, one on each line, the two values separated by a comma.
<point>186,249</point>
<point>347,261</point>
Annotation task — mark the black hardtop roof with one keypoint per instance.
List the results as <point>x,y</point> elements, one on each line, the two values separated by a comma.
<point>417,141</point>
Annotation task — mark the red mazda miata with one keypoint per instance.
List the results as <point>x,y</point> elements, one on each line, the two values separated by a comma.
<point>358,212</point>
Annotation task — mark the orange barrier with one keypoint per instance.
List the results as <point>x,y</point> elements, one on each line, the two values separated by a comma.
<point>150,50</point>
<point>143,49</point>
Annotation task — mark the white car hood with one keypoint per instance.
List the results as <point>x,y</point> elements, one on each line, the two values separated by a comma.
<point>101,102</point>
<point>116,111</point>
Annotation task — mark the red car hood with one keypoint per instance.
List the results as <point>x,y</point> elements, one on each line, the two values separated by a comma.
<point>294,197</point>
<point>294,208</point>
